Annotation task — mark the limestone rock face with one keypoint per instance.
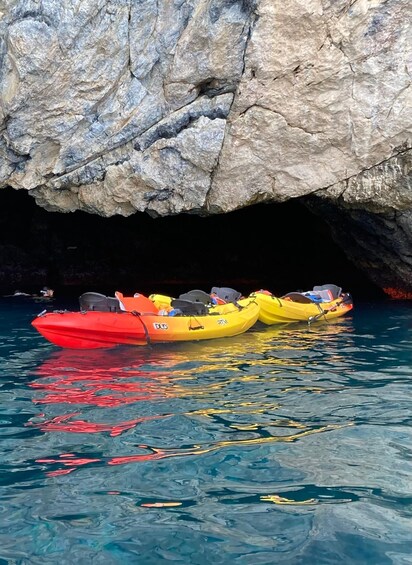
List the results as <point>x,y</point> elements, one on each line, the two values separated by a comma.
<point>325,95</point>
<point>205,106</point>
<point>135,91</point>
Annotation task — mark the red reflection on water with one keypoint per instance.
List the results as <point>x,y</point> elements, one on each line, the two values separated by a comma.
<point>60,472</point>
<point>61,424</point>
<point>157,454</point>
<point>65,391</point>
<point>68,460</point>
<point>98,379</point>
<point>73,462</point>
<point>103,379</point>
<point>80,461</point>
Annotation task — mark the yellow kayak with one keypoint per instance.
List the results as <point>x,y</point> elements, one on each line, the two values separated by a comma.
<point>195,315</point>
<point>223,320</point>
<point>297,307</point>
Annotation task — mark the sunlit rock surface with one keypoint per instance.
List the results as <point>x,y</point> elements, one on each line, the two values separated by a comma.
<point>206,106</point>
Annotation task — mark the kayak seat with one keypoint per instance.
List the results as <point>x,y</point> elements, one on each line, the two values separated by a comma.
<point>297,297</point>
<point>137,302</point>
<point>225,293</point>
<point>96,302</point>
<point>189,307</point>
<point>335,290</point>
<point>322,295</point>
<point>196,296</point>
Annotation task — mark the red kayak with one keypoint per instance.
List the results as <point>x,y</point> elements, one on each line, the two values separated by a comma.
<point>91,330</point>
<point>103,321</point>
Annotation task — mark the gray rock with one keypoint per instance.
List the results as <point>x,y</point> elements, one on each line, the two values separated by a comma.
<point>206,106</point>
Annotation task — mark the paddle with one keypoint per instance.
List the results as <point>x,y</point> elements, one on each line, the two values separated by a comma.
<point>347,298</point>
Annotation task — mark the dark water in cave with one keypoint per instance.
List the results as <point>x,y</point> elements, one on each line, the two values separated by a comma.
<point>286,445</point>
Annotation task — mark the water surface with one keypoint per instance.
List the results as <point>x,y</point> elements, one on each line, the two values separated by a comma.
<point>286,445</point>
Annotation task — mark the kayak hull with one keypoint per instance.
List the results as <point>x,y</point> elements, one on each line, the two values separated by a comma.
<point>274,310</point>
<point>226,320</point>
<point>92,330</point>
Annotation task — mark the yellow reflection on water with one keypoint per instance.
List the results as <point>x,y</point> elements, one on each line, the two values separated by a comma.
<point>160,504</point>
<point>196,450</point>
<point>276,499</point>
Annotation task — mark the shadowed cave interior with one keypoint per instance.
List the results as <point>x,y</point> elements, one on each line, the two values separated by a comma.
<point>279,247</point>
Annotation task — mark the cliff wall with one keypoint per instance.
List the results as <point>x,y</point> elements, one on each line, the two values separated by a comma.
<point>207,106</point>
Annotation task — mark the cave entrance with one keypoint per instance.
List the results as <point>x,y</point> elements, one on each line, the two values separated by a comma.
<point>279,247</point>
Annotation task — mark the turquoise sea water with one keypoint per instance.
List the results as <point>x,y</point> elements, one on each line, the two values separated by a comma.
<point>284,445</point>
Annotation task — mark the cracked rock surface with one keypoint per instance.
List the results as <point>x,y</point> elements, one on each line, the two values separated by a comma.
<point>206,106</point>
